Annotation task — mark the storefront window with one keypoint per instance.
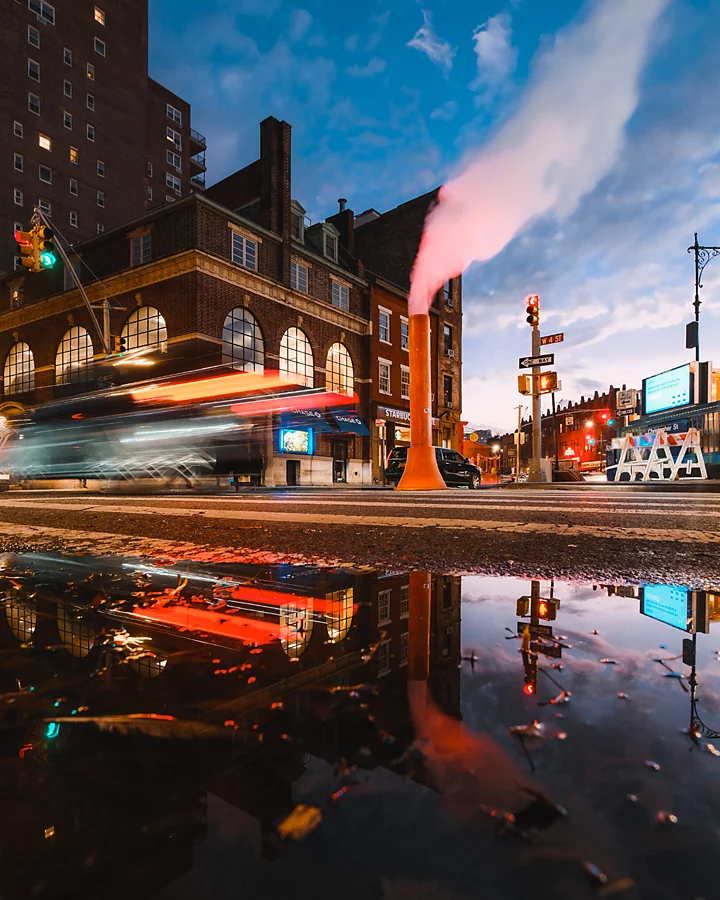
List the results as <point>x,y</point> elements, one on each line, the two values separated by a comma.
<point>243,347</point>
<point>339,372</point>
<point>296,358</point>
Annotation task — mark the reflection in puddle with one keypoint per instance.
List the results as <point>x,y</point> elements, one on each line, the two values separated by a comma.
<point>347,708</point>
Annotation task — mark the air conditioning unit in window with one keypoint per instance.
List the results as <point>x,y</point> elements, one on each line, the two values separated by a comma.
<point>450,354</point>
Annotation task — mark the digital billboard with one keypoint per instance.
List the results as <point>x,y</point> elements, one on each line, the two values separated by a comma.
<point>667,390</point>
<point>666,603</point>
<point>295,440</point>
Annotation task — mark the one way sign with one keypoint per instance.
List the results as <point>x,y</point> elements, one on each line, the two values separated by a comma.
<point>527,362</point>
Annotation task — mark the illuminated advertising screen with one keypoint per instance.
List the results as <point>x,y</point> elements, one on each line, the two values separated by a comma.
<point>667,390</point>
<point>666,603</point>
<point>295,440</point>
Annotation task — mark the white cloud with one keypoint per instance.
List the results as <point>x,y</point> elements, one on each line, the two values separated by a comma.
<point>496,56</point>
<point>351,43</point>
<point>427,41</point>
<point>446,112</point>
<point>373,67</point>
<point>265,8</point>
<point>377,35</point>
<point>299,25</point>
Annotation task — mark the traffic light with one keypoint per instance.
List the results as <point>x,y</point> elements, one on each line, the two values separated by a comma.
<point>548,382</point>
<point>533,310</point>
<point>27,248</point>
<point>119,345</point>
<point>547,609</point>
<point>524,384</point>
<point>46,247</point>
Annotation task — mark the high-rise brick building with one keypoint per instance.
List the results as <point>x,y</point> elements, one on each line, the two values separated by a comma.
<point>86,134</point>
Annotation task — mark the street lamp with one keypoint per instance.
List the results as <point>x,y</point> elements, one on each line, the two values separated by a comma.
<point>703,255</point>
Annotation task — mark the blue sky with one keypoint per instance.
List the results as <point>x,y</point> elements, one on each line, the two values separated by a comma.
<point>385,103</point>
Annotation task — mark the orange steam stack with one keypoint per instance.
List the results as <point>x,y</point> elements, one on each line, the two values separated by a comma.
<point>421,471</point>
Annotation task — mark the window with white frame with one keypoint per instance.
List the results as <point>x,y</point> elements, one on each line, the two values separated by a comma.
<point>384,607</point>
<point>74,187</point>
<point>405,382</point>
<point>100,168</point>
<point>73,218</point>
<point>34,103</point>
<point>19,369</point>
<point>17,197</point>
<point>91,71</point>
<point>172,182</point>
<point>404,644</point>
<point>331,246</point>
<point>74,156</point>
<point>150,170</point>
<point>101,198</point>
<point>384,325</point>
<point>91,102</point>
<point>296,358</point>
<point>99,47</point>
<point>297,221</point>
<point>299,276</point>
<point>73,360</point>
<point>174,159</point>
<point>43,9</point>
<point>18,129</point>
<point>145,327</point>
<point>149,193</point>
<point>67,88</point>
<point>173,136</point>
<point>100,228</point>
<point>99,16</point>
<point>141,249</point>
<point>33,70</point>
<point>18,161</point>
<point>339,370</point>
<point>243,346</point>
<point>340,295</point>
<point>45,205</point>
<point>405,601</point>
<point>174,114</point>
<point>33,36</point>
<point>384,376</point>
<point>91,132</point>
<point>44,142</point>
<point>67,56</point>
<point>45,174</point>
<point>67,120</point>
<point>382,656</point>
<point>404,333</point>
<point>243,251</point>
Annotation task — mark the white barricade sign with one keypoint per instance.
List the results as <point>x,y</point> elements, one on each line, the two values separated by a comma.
<point>660,456</point>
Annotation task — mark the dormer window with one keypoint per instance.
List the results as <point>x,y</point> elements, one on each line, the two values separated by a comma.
<point>297,221</point>
<point>330,238</point>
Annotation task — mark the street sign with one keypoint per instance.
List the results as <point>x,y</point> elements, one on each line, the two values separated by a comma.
<point>536,630</point>
<point>553,651</point>
<point>625,400</point>
<point>527,362</point>
<point>553,338</point>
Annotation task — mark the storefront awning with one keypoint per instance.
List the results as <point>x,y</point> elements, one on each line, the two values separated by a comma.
<point>306,418</point>
<point>348,422</point>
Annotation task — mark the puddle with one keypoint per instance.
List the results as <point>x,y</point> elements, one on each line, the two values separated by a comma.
<point>164,723</point>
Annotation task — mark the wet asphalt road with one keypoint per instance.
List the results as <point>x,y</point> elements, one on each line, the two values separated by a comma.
<point>605,534</point>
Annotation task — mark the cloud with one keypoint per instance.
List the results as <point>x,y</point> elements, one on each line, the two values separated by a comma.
<point>427,41</point>
<point>299,25</point>
<point>377,35</point>
<point>496,56</point>
<point>351,43</point>
<point>446,112</point>
<point>266,8</point>
<point>373,67</point>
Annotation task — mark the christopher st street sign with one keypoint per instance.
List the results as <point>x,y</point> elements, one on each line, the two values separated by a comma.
<point>527,362</point>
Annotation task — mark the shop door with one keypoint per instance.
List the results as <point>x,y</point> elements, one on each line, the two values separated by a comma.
<point>340,454</point>
<point>292,471</point>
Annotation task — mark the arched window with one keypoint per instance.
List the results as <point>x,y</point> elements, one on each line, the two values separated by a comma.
<point>296,625</point>
<point>22,618</point>
<point>145,327</point>
<point>339,373</point>
<point>77,637</point>
<point>73,360</point>
<point>296,358</point>
<point>339,611</point>
<point>243,347</point>
<point>19,369</point>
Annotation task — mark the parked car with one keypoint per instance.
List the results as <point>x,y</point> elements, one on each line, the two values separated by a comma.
<point>454,468</point>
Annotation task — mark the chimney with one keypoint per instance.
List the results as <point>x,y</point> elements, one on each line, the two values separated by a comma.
<point>342,203</point>
<point>344,221</point>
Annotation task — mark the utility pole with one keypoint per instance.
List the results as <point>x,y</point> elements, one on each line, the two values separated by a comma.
<point>555,430</point>
<point>535,474</point>
<point>703,255</point>
<point>518,441</point>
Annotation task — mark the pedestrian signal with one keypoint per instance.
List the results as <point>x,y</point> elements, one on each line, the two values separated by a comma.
<point>524,384</point>
<point>548,382</point>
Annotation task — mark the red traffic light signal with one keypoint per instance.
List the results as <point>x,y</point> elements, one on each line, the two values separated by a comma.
<point>27,248</point>
<point>529,688</point>
<point>533,310</point>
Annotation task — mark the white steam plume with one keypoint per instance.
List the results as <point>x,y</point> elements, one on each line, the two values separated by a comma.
<point>565,136</point>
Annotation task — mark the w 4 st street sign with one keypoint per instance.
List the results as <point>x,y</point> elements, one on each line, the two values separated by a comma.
<point>527,362</point>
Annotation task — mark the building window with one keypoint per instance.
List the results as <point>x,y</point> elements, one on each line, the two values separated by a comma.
<point>169,198</point>
<point>45,205</point>
<point>448,340</point>
<point>172,182</point>
<point>67,88</point>
<point>100,199</point>
<point>404,333</point>
<point>384,607</point>
<point>18,158</point>
<point>296,358</point>
<point>73,218</point>
<point>73,360</point>
<point>383,658</point>
<point>18,197</point>
<point>405,382</point>
<point>34,104</point>
<point>447,390</point>
<point>340,295</point>
<point>45,142</point>
<point>22,618</point>
<point>45,174</point>
<point>141,249</point>
<point>297,226</point>
<point>17,294</point>
<point>339,611</point>
<point>99,47</point>
<point>74,187</point>
<point>91,71</point>
<point>339,371</point>
<point>91,133</point>
<point>100,228</point>
<point>150,170</point>
<point>331,246</point>
<point>174,114</point>
<point>244,251</point>
<point>384,326</point>
<point>33,36</point>
<point>91,102</point>
<point>43,9</point>
<point>19,368</point>
<point>67,120</point>
<point>67,56</point>
<point>404,638</point>
<point>405,601</point>
<point>174,159</point>
<point>33,70</point>
<point>173,136</point>
<point>243,347</point>
<point>74,155</point>
<point>145,327</point>
<point>18,129</point>
<point>99,16</point>
<point>299,276</point>
<point>149,193</point>
<point>101,168</point>
<point>447,293</point>
<point>384,377</point>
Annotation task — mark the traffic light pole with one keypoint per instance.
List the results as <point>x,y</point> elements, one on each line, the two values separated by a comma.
<point>535,474</point>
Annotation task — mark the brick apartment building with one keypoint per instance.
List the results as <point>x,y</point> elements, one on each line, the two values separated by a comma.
<point>93,140</point>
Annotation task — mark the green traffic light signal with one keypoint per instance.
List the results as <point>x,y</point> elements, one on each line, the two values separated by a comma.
<point>47,260</point>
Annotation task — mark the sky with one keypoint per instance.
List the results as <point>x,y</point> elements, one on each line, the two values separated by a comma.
<point>392,102</point>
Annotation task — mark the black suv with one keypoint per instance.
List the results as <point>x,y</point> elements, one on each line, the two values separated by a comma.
<point>454,468</point>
